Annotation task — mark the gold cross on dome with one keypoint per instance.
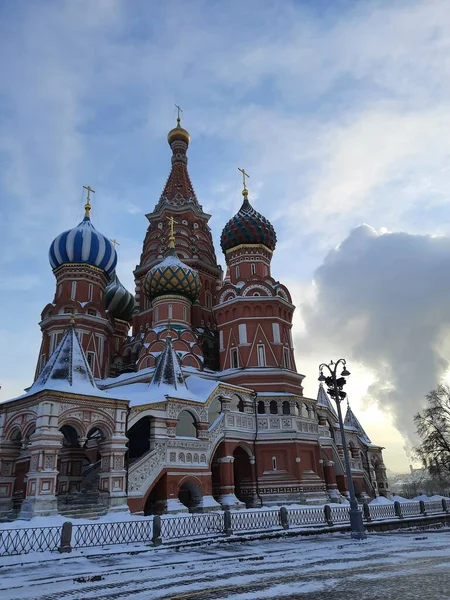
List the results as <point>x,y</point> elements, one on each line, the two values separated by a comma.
<point>87,206</point>
<point>115,242</point>
<point>172,231</point>
<point>179,114</point>
<point>244,175</point>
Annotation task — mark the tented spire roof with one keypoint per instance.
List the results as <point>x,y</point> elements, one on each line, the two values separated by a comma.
<point>351,421</point>
<point>324,401</point>
<point>67,369</point>
<point>168,372</point>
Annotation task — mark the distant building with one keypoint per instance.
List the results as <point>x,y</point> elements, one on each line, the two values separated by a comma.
<point>201,407</point>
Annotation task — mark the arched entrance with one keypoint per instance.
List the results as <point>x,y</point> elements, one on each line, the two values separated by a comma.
<point>244,486</point>
<point>79,467</point>
<point>233,479</point>
<point>140,437</point>
<point>190,494</point>
<point>156,502</point>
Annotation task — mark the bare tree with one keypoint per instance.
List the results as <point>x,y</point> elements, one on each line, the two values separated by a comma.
<point>433,427</point>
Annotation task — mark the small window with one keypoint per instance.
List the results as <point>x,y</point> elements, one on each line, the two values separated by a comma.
<point>253,268</point>
<point>169,315</point>
<point>261,356</point>
<point>286,408</point>
<point>273,407</point>
<point>74,290</point>
<point>234,358</point>
<point>286,358</point>
<point>92,312</point>
<point>257,294</point>
<point>59,289</point>
<point>68,311</point>
<point>90,292</point>
<point>274,463</point>
<point>238,273</point>
<point>208,298</point>
<point>90,359</point>
<point>156,314</point>
<point>184,313</point>
<point>261,408</point>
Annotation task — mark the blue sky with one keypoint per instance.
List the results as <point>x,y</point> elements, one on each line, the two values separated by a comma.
<point>338,110</point>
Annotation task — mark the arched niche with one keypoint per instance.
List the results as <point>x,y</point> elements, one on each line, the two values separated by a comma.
<point>186,425</point>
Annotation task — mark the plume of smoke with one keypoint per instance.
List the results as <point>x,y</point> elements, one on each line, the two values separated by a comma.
<point>384,299</point>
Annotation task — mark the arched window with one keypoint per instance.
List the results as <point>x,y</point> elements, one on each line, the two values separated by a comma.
<point>286,408</point>
<point>261,408</point>
<point>236,403</point>
<point>253,268</point>
<point>187,425</point>
<point>215,408</point>
<point>273,407</point>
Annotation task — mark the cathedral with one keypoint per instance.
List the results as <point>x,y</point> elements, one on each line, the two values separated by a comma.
<point>183,396</point>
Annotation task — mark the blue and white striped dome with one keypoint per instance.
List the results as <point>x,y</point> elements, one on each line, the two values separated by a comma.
<point>83,244</point>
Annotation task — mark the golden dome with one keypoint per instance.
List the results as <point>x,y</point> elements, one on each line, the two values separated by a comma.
<point>178,134</point>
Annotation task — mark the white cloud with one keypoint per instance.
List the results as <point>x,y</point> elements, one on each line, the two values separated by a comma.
<point>382,301</point>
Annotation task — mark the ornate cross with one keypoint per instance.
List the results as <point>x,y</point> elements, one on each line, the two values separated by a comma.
<point>87,206</point>
<point>115,242</point>
<point>172,223</point>
<point>179,114</point>
<point>244,175</point>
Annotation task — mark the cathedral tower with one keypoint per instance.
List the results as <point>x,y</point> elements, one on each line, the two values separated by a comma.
<point>83,261</point>
<point>193,245</point>
<point>253,311</point>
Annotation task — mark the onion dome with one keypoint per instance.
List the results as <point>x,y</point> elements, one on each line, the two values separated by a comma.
<point>83,244</point>
<point>119,301</point>
<point>172,276</point>
<point>247,227</point>
<point>178,134</point>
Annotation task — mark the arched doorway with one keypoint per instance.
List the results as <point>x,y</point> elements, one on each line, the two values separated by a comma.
<point>190,494</point>
<point>79,467</point>
<point>140,438</point>
<point>244,487</point>
<point>156,502</point>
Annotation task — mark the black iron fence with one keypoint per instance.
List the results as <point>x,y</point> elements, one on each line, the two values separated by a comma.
<point>23,541</point>
<point>106,534</point>
<point>155,530</point>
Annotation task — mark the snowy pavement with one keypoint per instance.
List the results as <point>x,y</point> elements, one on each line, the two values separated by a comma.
<point>404,566</point>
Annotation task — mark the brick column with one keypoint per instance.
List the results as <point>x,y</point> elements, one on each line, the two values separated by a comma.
<point>9,452</point>
<point>227,496</point>
<point>43,474</point>
<point>112,471</point>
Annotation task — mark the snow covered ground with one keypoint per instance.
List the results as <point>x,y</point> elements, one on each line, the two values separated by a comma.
<point>404,566</point>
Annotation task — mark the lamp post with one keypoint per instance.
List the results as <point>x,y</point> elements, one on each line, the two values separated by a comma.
<point>335,386</point>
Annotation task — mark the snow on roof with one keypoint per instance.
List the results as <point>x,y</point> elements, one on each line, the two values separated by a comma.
<point>196,389</point>
<point>168,369</point>
<point>351,421</point>
<point>67,370</point>
<point>324,400</point>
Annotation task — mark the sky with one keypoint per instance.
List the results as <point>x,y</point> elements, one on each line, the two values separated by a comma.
<point>339,111</point>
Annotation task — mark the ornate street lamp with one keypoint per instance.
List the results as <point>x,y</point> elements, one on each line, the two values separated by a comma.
<point>335,386</point>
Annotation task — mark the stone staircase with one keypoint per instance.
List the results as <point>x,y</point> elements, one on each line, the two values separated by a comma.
<point>81,506</point>
<point>87,504</point>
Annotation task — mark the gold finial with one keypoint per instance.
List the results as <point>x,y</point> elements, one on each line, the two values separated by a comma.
<point>244,175</point>
<point>168,329</point>
<point>115,242</point>
<point>172,232</point>
<point>179,115</point>
<point>87,206</point>
<point>72,317</point>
